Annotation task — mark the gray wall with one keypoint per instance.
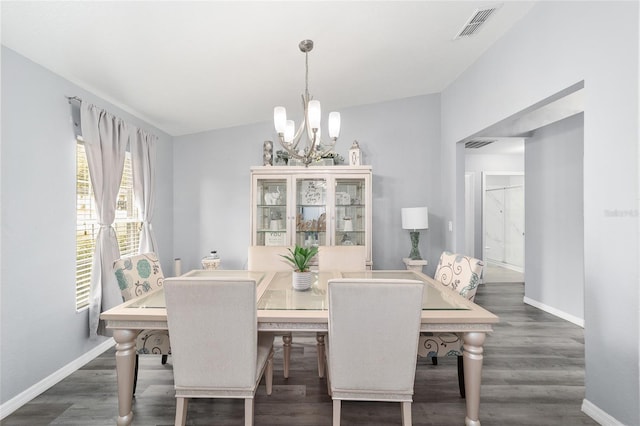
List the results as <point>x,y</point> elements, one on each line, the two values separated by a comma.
<point>546,52</point>
<point>39,327</point>
<point>554,255</point>
<point>400,139</point>
<point>477,164</point>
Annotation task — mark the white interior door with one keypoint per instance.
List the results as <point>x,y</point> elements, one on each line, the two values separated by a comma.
<point>503,219</point>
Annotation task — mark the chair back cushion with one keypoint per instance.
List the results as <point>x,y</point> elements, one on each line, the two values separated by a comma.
<point>342,258</point>
<point>138,274</point>
<point>373,334</point>
<point>214,331</point>
<point>459,273</point>
<point>266,258</point>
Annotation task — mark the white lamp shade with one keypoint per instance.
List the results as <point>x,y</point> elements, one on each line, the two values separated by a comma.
<point>280,119</point>
<point>314,114</point>
<point>289,131</point>
<point>415,218</point>
<point>334,125</point>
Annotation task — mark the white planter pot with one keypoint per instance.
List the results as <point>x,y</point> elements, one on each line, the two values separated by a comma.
<point>302,280</point>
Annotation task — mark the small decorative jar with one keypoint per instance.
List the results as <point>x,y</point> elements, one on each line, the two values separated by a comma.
<point>348,225</point>
<point>211,262</point>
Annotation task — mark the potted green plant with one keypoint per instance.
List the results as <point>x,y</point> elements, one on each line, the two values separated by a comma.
<point>300,257</point>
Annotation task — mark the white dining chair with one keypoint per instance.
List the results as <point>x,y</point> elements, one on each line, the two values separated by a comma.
<point>342,258</point>
<point>460,274</point>
<point>373,341</point>
<point>268,258</point>
<point>216,348</point>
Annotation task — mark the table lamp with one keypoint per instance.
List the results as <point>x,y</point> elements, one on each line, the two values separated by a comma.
<point>415,218</point>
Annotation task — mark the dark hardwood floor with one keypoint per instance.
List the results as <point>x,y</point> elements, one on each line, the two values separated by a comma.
<point>533,374</point>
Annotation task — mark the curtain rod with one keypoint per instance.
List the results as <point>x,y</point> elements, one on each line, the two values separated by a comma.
<point>73,99</point>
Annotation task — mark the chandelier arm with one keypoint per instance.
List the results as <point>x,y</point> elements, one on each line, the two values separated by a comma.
<point>289,149</point>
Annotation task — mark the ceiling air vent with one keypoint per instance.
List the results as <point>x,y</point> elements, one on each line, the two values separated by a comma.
<point>474,23</point>
<point>475,144</point>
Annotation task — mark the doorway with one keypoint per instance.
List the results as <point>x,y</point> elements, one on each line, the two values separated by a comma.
<point>503,219</point>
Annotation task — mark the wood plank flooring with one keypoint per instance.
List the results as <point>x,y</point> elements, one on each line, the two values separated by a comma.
<point>533,374</point>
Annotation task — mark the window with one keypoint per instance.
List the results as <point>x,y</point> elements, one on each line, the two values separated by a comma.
<point>126,224</point>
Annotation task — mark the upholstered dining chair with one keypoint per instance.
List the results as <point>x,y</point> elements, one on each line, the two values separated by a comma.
<point>268,258</point>
<point>460,274</point>
<point>217,351</point>
<point>342,258</point>
<point>137,275</point>
<point>373,341</point>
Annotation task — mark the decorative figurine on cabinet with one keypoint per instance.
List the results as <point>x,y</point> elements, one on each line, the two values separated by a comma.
<point>267,153</point>
<point>355,155</point>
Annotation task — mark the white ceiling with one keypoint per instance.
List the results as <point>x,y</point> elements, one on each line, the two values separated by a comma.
<point>188,67</point>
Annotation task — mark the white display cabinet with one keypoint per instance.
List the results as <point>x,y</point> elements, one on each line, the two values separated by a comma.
<point>322,206</point>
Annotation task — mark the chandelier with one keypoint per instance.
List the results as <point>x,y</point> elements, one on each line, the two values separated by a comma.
<point>312,148</point>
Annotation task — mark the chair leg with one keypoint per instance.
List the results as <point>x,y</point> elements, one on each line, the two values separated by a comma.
<point>181,411</point>
<point>321,356</point>
<point>406,413</point>
<point>269,373</point>
<point>286,353</point>
<point>248,412</point>
<point>434,360</point>
<point>135,376</point>
<point>336,412</point>
<point>461,376</point>
<point>164,359</point>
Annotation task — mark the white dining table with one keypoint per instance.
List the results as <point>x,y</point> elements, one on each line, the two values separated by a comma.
<point>282,309</point>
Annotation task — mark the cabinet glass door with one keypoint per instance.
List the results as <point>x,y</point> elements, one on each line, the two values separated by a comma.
<point>271,212</point>
<point>311,212</point>
<point>350,202</point>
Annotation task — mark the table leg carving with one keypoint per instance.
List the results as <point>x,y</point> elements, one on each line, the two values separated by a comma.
<point>473,375</point>
<point>320,346</point>
<point>125,363</point>
<point>286,348</point>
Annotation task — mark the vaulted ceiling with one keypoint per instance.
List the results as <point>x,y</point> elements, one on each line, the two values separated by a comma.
<point>188,67</point>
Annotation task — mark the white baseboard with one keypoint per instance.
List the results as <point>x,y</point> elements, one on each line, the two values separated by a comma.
<point>553,311</point>
<point>598,415</point>
<point>22,398</point>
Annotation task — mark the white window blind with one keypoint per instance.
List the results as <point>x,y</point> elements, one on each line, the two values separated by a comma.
<point>126,224</point>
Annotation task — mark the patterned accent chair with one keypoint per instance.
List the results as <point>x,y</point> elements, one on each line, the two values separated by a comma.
<point>136,276</point>
<point>460,274</point>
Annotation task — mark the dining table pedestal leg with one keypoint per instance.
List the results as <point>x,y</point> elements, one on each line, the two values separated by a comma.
<point>472,355</point>
<point>125,363</point>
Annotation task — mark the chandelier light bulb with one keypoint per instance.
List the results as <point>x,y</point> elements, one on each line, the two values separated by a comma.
<point>334,125</point>
<point>289,131</point>
<point>280,119</point>
<point>314,114</point>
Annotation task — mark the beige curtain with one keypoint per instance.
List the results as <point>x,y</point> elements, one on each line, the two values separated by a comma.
<point>106,138</point>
